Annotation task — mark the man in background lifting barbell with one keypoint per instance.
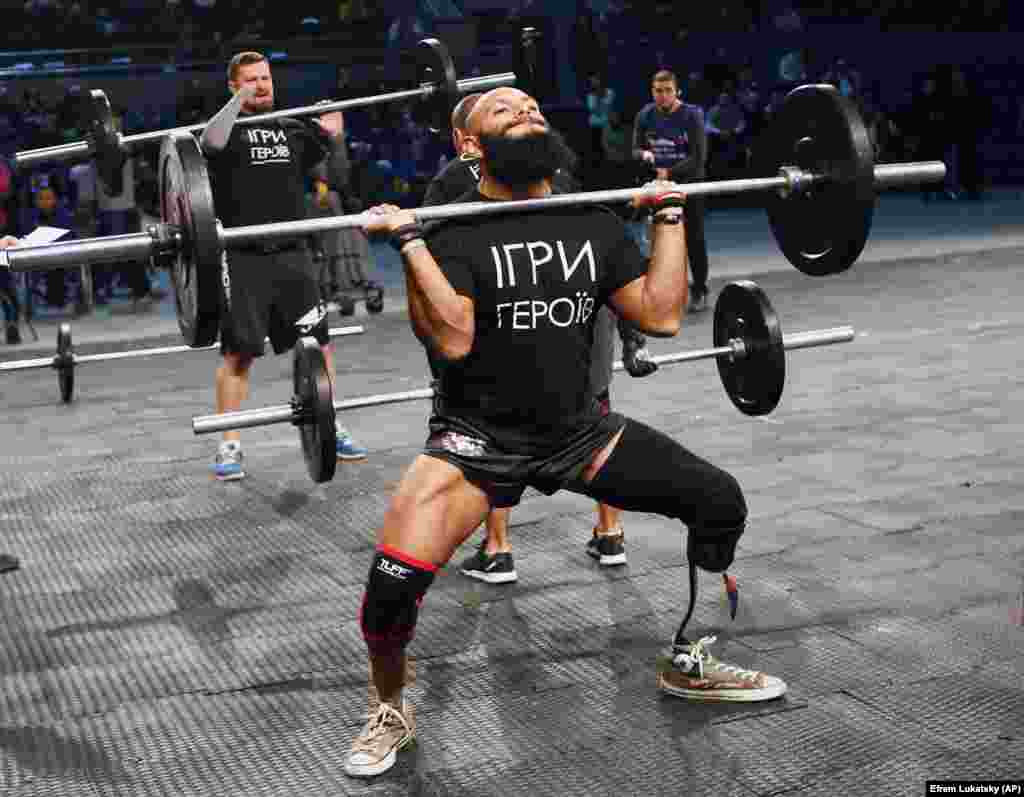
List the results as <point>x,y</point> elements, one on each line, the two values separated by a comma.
<point>492,562</point>
<point>510,303</point>
<point>272,289</point>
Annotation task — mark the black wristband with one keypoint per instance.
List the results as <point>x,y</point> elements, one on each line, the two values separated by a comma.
<point>404,234</point>
<point>675,218</point>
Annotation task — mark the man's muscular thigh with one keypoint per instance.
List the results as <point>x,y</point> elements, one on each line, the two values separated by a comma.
<point>433,510</point>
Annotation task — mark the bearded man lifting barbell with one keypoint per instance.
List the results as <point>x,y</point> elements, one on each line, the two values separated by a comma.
<point>271,289</point>
<point>511,303</point>
<point>493,561</point>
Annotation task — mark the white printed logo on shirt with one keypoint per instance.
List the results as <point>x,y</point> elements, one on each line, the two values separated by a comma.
<point>268,146</point>
<point>523,263</point>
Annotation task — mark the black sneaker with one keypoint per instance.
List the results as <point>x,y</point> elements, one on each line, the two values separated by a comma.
<point>13,334</point>
<point>8,563</point>
<point>608,549</point>
<point>496,569</point>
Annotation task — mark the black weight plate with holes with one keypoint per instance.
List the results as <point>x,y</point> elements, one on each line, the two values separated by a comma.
<point>822,230</point>
<point>104,141</point>
<point>315,400</point>
<point>64,363</point>
<point>435,68</point>
<point>755,381</point>
<point>187,203</point>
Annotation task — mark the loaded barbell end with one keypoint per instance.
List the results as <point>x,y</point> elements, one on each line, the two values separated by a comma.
<point>797,181</point>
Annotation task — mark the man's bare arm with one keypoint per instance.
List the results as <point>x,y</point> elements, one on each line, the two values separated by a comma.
<point>656,302</point>
<point>438,313</point>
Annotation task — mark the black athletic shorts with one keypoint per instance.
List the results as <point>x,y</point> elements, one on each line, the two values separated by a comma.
<point>504,475</point>
<point>273,294</point>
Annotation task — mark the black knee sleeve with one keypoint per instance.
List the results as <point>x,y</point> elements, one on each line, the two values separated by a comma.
<point>394,591</point>
<point>650,472</point>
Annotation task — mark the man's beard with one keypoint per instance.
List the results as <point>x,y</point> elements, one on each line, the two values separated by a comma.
<point>523,160</point>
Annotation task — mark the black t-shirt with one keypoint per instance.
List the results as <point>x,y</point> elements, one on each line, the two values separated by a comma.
<point>537,280</point>
<point>462,175</point>
<point>458,177</point>
<point>260,176</point>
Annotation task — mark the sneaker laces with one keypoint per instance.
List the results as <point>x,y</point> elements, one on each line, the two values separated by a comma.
<point>696,655</point>
<point>380,721</point>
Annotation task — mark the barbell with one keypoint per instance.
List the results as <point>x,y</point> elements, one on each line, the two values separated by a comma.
<point>821,199</point>
<point>65,360</point>
<point>438,93</point>
<point>749,348</point>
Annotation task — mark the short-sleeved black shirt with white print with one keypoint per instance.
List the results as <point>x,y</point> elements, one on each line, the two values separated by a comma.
<point>537,280</point>
<point>260,175</point>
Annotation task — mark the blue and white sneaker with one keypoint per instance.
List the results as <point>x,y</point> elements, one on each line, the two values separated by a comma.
<point>348,448</point>
<point>228,464</point>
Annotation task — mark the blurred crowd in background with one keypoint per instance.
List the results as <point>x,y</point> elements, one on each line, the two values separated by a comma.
<point>614,47</point>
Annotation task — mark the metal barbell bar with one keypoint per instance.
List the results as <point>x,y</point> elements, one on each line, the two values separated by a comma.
<point>83,150</point>
<point>49,362</point>
<point>159,237</point>
<point>735,350</point>
<point>65,360</point>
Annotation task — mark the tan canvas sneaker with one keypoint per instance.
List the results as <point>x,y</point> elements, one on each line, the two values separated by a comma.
<point>388,729</point>
<point>696,675</point>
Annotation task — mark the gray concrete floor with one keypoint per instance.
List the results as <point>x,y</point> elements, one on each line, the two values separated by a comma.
<point>168,634</point>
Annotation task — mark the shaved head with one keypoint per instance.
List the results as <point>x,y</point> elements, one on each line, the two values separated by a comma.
<point>462,110</point>
<point>484,107</point>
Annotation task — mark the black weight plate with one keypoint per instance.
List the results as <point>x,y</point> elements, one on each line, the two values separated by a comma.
<point>821,230</point>
<point>435,68</point>
<point>755,381</point>
<point>315,400</point>
<point>187,203</point>
<point>104,141</point>
<point>64,362</point>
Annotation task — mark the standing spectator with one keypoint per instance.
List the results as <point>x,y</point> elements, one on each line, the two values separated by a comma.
<point>669,136</point>
<point>725,125</point>
<point>600,101</point>
<point>320,203</point>
<point>49,209</point>
<point>353,247</point>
